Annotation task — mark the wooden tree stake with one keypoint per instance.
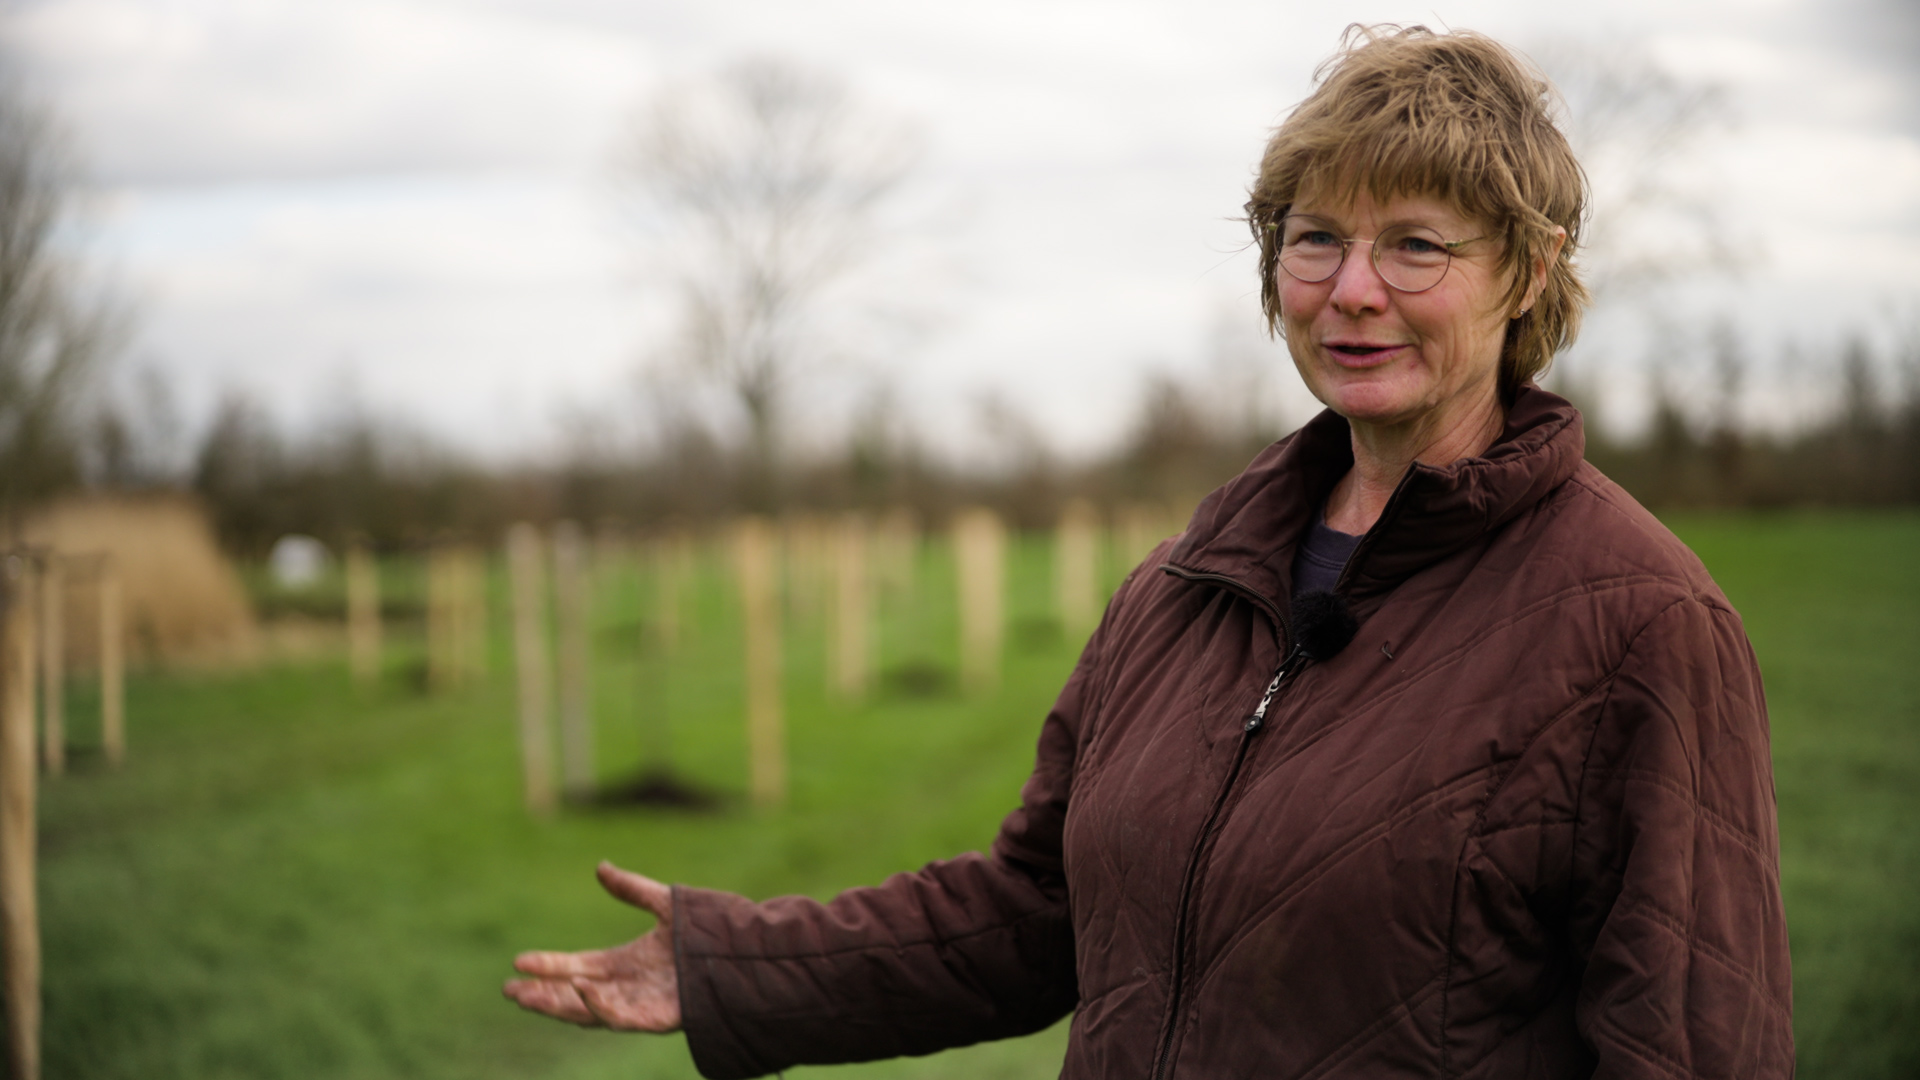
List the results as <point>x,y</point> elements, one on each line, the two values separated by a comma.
<point>853,610</point>
<point>363,615</point>
<point>530,664</point>
<point>19,909</point>
<point>672,558</point>
<point>53,664</point>
<point>760,607</point>
<point>898,557</point>
<point>570,586</point>
<point>440,675</point>
<point>470,613</point>
<point>113,686</point>
<point>979,542</point>
<point>1076,577</point>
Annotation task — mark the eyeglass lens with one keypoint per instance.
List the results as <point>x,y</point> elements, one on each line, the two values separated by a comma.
<point>1411,258</point>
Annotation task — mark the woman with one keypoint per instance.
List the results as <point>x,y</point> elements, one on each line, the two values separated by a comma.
<point>1423,751</point>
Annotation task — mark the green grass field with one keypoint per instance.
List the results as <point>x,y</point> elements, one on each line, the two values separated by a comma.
<point>295,879</point>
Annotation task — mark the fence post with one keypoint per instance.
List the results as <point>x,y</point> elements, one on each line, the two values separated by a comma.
<point>19,911</point>
<point>53,664</point>
<point>530,663</point>
<point>979,542</point>
<point>571,597</point>
<point>853,610</point>
<point>363,614</point>
<point>1076,577</point>
<point>760,608</point>
<point>113,685</point>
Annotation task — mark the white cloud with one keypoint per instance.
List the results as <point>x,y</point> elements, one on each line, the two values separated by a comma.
<point>408,189</point>
<point>217,90</point>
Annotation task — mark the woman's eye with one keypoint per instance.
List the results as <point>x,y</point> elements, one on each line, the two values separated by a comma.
<point>1317,238</point>
<point>1420,245</point>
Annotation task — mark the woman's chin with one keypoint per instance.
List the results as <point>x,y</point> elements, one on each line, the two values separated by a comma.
<point>1373,401</point>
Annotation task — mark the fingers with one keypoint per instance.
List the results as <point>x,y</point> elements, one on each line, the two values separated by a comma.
<point>636,889</point>
<point>564,965</point>
<point>626,1006</point>
<point>556,999</point>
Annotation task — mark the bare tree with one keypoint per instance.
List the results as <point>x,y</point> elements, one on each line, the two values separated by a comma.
<point>49,338</point>
<point>759,188</point>
<point>1635,125</point>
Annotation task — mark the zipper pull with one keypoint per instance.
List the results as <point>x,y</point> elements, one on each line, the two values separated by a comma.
<point>1259,717</point>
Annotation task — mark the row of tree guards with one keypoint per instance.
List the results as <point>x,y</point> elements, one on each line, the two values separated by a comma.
<point>854,554</point>
<point>843,564</point>
<point>37,591</point>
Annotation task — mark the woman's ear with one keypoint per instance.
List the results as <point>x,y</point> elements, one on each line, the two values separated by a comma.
<point>1539,270</point>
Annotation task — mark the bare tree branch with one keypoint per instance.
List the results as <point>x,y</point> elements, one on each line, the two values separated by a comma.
<point>50,340</point>
<point>760,186</point>
<point>1634,125</point>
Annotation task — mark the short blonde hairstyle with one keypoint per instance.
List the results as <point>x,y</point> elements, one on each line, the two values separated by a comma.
<point>1456,116</point>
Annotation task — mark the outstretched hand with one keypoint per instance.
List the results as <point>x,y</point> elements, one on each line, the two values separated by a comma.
<point>631,987</point>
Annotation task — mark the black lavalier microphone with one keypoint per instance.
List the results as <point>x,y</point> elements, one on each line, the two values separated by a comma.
<point>1322,624</point>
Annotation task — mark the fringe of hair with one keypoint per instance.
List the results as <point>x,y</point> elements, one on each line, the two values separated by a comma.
<point>1456,116</point>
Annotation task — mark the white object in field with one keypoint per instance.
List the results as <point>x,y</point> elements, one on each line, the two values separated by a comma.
<point>297,562</point>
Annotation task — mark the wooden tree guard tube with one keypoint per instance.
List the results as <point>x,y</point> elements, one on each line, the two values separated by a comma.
<point>19,914</point>
<point>53,664</point>
<point>363,615</point>
<point>455,617</point>
<point>754,560</point>
<point>113,686</point>
<point>530,665</point>
<point>805,547</point>
<point>853,610</point>
<point>1076,577</point>
<point>470,613</point>
<point>440,675</point>
<point>672,560</point>
<point>979,542</point>
<point>898,557</point>
<point>570,586</point>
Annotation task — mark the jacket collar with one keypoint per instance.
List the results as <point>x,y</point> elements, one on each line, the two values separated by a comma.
<point>1246,532</point>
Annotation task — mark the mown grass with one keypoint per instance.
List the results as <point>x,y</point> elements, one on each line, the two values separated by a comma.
<point>1832,604</point>
<point>293,878</point>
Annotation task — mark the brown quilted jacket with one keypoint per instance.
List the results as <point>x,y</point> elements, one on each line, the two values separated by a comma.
<point>1522,826</point>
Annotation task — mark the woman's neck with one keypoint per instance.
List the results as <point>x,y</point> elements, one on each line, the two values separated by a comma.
<point>1382,454</point>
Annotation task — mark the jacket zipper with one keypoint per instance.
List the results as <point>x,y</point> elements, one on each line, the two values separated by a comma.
<point>1252,727</point>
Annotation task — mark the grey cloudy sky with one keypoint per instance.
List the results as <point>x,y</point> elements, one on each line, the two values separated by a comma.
<point>404,201</point>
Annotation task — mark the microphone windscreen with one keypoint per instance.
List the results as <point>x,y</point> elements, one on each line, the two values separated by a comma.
<point>1322,624</point>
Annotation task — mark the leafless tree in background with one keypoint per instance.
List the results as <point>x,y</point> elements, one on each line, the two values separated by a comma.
<point>1634,125</point>
<point>759,188</point>
<point>49,339</point>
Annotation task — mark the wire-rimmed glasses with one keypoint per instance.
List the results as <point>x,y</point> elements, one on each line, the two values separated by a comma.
<point>1410,258</point>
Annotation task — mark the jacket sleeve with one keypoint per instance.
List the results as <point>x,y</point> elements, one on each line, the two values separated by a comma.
<point>960,951</point>
<point>1676,905</point>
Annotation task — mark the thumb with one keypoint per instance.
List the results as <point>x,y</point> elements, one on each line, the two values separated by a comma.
<point>637,889</point>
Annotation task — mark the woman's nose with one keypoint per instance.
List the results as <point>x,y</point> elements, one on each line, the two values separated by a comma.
<point>1357,285</point>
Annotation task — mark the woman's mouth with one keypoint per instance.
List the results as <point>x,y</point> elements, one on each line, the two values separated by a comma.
<point>1360,353</point>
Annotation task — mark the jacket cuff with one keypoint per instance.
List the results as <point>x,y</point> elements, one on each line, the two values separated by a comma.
<point>718,1052</point>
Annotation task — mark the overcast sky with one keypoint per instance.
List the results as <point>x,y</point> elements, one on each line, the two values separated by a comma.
<point>405,203</point>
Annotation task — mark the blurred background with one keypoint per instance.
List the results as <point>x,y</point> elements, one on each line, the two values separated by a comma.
<point>291,288</point>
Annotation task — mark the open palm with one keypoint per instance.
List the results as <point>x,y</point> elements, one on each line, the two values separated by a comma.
<point>631,987</point>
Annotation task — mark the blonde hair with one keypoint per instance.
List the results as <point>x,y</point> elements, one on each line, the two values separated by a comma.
<point>1456,116</point>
